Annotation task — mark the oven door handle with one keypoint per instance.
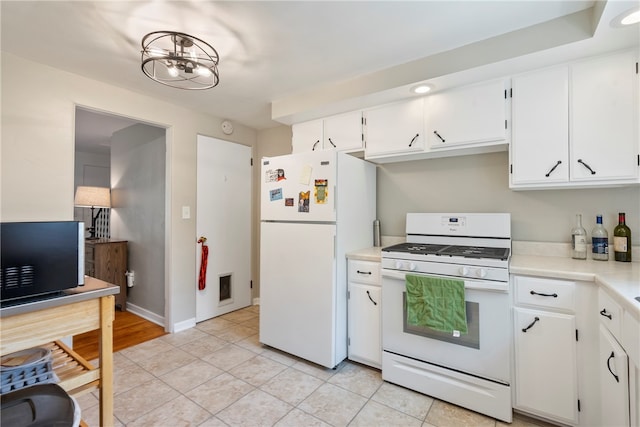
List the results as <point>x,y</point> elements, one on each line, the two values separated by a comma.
<point>468,284</point>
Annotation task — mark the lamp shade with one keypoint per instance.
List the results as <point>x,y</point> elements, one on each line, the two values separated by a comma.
<point>99,197</point>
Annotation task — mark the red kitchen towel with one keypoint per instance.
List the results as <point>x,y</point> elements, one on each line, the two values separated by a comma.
<point>202,277</point>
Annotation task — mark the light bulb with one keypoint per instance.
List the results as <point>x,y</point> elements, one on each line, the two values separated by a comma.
<point>632,18</point>
<point>173,71</point>
<point>203,71</point>
<point>420,89</point>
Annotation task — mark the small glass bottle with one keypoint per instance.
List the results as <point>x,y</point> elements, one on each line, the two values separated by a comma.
<point>599,241</point>
<point>622,240</point>
<point>578,240</point>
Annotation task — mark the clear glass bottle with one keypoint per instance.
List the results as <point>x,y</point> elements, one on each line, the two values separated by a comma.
<point>578,240</point>
<point>599,241</point>
<point>622,240</point>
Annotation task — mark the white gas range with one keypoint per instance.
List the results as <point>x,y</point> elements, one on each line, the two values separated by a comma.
<point>471,369</point>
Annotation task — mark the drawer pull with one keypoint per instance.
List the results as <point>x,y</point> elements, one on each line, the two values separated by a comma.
<point>363,272</point>
<point>438,135</point>
<point>371,299</point>
<point>314,145</point>
<point>414,138</point>
<point>535,319</point>
<point>604,313</point>
<point>544,295</point>
<point>609,367</point>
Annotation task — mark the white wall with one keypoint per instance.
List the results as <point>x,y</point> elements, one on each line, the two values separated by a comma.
<point>138,160</point>
<point>480,183</point>
<point>37,176</point>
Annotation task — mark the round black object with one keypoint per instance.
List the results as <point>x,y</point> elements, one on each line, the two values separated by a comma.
<point>38,405</point>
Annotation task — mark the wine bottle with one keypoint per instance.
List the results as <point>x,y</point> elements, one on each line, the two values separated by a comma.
<point>622,240</point>
<point>578,240</point>
<point>599,241</point>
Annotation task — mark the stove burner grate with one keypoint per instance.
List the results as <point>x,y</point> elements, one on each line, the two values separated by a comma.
<point>450,250</point>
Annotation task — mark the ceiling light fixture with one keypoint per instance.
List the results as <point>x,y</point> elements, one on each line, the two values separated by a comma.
<point>422,89</point>
<point>179,60</point>
<point>631,16</point>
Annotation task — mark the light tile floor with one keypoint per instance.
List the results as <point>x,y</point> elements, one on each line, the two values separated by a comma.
<point>218,374</point>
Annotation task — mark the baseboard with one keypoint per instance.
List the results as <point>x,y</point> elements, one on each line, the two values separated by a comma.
<point>256,301</point>
<point>146,314</point>
<point>183,326</point>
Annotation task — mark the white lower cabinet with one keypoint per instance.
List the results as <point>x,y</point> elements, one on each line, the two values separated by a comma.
<point>618,353</point>
<point>364,308</point>
<point>555,341</point>
<point>545,368</point>
<point>614,381</point>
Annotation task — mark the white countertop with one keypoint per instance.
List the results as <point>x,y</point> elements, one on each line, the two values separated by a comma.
<point>622,280</point>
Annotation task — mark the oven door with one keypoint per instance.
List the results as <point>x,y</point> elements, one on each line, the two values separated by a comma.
<point>484,351</point>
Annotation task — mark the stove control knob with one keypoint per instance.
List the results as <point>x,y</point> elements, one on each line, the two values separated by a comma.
<point>412,266</point>
<point>481,272</point>
<point>464,271</point>
<point>398,265</point>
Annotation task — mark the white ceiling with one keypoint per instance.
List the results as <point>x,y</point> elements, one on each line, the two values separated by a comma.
<point>291,60</point>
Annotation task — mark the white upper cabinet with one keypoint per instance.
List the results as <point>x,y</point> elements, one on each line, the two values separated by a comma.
<point>603,117</point>
<point>576,125</point>
<point>341,132</point>
<point>307,136</point>
<point>540,131</point>
<point>468,115</point>
<point>394,129</point>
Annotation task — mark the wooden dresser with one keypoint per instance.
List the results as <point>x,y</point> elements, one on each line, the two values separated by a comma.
<point>106,259</point>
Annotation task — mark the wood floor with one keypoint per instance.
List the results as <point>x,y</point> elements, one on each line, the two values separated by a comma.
<point>128,330</point>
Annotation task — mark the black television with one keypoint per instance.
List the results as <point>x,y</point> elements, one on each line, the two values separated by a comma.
<point>40,258</point>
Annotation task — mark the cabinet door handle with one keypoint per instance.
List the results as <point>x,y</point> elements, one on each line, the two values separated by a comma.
<point>363,272</point>
<point>331,142</point>
<point>553,168</point>
<point>587,166</point>
<point>604,313</point>
<point>535,319</point>
<point>438,135</point>
<point>413,139</point>
<point>371,299</point>
<point>314,145</point>
<point>608,365</point>
<point>544,295</point>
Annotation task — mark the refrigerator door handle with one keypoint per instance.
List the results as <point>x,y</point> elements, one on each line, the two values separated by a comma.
<point>335,199</point>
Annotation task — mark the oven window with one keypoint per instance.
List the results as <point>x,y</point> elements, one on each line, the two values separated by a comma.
<point>470,339</point>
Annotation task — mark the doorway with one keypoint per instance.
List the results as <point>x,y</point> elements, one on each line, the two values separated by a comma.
<point>129,157</point>
<point>224,219</point>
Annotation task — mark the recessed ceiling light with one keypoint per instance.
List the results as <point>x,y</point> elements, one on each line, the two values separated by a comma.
<point>630,17</point>
<point>421,89</point>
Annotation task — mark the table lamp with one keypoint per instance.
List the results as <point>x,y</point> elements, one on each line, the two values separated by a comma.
<point>93,197</point>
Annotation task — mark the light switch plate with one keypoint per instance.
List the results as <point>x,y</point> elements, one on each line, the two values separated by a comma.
<point>186,212</point>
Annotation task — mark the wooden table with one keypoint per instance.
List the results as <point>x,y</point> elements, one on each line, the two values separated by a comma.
<point>82,309</point>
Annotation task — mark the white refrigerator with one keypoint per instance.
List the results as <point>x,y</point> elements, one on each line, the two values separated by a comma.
<point>315,207</point>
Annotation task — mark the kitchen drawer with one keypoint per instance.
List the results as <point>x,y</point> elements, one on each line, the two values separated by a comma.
<point>610,313</point>
<point>547,293</point>
<point>364,272</point>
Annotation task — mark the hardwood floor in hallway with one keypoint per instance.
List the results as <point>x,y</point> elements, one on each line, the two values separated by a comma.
<point>128,330</point>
